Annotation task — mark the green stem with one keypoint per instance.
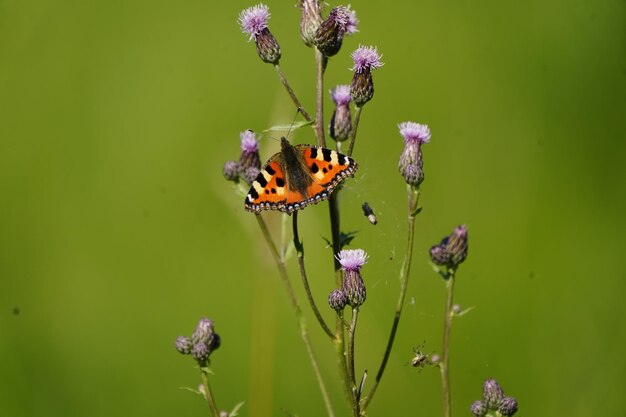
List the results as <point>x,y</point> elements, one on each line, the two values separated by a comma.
<point>320,61</point>
<point>413,198</point>
<point>445,356</point>
<point>300,250</point>
<point>355,125</point>
<point>298,313</point>
<point>291,93</point>
<point>354,389</point>
<point>208,394</point>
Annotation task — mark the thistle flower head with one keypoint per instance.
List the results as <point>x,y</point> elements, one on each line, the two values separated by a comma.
<point>352,259</point>
<point>329,35</point>
<point>414,132</point>
<point>253,20</point>
<point>492,394</point>
<point>351,26</point>
<point>231,170</point>
<point>366,58</point>
<point>203,332</point>
<point>341,95</point>
<point>248,141</point>
<point>250,174</point>
<point>508,406</point>
<point>183,345</point>
<point>310,20</point>
<point>200,352</point>
<point>411,163</point>
<point>478,409</point>
<point>457,245</point>
<point>337,299</point>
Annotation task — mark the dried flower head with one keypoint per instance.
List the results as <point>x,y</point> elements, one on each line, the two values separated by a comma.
<point>310,20</point>
<point>365,59</point>
<point>340,126</point>
<point>411,163</point>
<point>253,21</point>
<point>329,36</point>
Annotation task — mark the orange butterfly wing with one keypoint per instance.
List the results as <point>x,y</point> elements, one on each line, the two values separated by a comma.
<point>326,168</point>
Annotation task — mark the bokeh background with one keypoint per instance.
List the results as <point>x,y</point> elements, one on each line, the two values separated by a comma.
<point>118,231</point>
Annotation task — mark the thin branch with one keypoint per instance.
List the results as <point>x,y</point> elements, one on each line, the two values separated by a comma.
<point>320,61</point>
<point>291,93</point>
<point>413,198</point>
<point>355,126</point>
<point>445,355</point>
<point>208,394</point>
<point>300,250</point>
<point>354,390</point>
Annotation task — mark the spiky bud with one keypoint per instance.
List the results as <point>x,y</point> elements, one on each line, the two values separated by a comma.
<point>310,20</point>
<point>337,299</point>
<point>351,261</point>
<point>231,170</point>
<point>492,394</point>
<point>457,245</point>
<point>329,36</point>
<point>439,255</point>
<point>508,406</point>
<point>200,352</point>
<point>365,59</point>
<point>411,163</point>
<point>183,345</point>
<point>250,174</point>
<point>340,126</point>
<point>253,21</point>
<point>478,409</point>
<point>203,332</point>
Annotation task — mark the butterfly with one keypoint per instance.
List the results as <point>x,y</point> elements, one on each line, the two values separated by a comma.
<point>298,176</point>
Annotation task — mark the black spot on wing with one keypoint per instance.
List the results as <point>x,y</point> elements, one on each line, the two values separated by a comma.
<point>324,170</point>
<point>313,153</point>
<point>269,170</point>
<point>253,193</point>
<point>314,168</point>
<point>326,153</point>
<point>343,160</point>
<point>273,190</point>
<point>280,182</point>
<point>261,180</point>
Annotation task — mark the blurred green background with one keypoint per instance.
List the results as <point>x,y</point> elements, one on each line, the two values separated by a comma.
<point>118,232</point>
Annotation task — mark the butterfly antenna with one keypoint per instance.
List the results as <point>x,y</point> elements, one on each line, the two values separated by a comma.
<point>292,122</point>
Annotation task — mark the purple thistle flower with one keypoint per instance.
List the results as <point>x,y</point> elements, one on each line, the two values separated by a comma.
<point>352,259</point>
<point>414,132</point>
<point>341,95</point>
<point>200,352</point>
<point>340,126</point>
<point>329,36</point>
<point>411,163</point>
<point>351,26</point>
<point>203,332</point>
<point>250,157</point>
<point>248,141</point>
<point>253,20</point>
<point>250,174</point>
<point>366,58</point>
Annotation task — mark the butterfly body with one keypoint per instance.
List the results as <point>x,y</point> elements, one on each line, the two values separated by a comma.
<point>298,176</point>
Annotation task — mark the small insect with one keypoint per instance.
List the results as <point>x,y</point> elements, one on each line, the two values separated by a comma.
<point>369,213</point>
<point>420,359</point>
